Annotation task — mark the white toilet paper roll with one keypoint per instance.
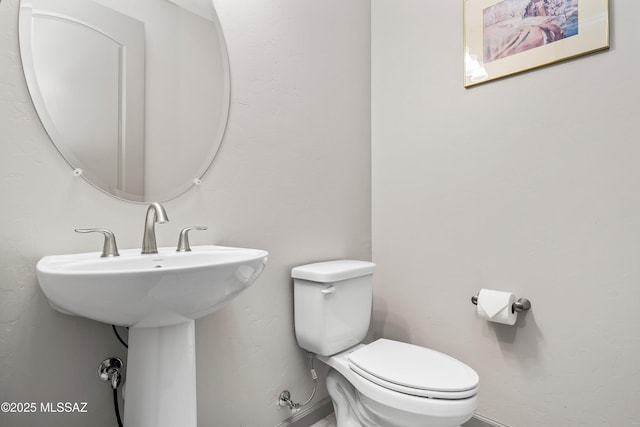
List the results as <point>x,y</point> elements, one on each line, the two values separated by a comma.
<point>495,306</point>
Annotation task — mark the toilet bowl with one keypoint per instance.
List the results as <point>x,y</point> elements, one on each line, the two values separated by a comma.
<point>385,383</point>
<point>440,391</point>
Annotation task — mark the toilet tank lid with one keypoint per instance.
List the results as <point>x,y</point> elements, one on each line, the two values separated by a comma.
<point>333,271</point>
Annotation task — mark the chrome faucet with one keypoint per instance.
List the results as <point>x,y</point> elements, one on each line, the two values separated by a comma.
<point>155,214</point>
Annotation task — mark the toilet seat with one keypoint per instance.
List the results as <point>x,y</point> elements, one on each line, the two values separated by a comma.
<point>414,370</point>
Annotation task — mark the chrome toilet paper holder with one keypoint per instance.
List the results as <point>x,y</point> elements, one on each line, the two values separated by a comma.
<point>521,304</point>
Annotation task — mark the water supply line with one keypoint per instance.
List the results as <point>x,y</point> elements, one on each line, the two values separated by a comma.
<point>285,395</point>
<point>115,331</point>
<point>116,407</point>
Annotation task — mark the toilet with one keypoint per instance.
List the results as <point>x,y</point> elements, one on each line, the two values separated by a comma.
<point>383,384</point>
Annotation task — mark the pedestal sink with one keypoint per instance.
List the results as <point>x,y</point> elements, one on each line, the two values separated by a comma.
<point>158,296</point>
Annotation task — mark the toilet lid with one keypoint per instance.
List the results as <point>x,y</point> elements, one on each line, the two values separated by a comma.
<point>414,370</point>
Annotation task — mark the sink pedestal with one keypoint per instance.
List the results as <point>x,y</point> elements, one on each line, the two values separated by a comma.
<point>161,377</point>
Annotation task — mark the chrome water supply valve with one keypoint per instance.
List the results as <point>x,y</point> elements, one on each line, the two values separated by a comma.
<point>109,370</point>
<point>285,400</point>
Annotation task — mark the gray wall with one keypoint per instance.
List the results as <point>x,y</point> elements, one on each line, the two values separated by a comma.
<point>529,184</point>
<point>292,177</point>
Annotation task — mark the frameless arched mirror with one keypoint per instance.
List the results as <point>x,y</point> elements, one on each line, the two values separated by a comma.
<point>135,94</point>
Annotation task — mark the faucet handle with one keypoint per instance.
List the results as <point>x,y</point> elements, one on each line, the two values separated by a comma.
<point>183,241</point>
<point>110,249</point>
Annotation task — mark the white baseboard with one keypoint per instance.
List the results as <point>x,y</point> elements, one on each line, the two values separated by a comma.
<point>311,415</point>
<point>324,407</point>
<point>482,421</point>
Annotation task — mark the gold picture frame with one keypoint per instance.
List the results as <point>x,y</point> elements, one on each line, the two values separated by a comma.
<point>505,37</point>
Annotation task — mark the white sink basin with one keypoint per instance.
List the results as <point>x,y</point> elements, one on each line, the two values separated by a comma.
<point>159,296</point>
<point>146,291</point>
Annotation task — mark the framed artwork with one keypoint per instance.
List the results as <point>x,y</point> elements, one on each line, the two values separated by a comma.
<point>504,37</point>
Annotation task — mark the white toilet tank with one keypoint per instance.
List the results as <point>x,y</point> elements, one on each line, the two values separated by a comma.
<point>332,304</point>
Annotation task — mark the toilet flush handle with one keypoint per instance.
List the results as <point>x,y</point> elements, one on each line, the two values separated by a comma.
<point>329,290</point>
